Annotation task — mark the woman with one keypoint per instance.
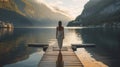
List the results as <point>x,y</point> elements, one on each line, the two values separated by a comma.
<point>60,34</point>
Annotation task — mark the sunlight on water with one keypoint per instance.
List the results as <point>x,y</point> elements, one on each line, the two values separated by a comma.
<point>87,60</point>
<point>71,38</point>
<point>55,27</point>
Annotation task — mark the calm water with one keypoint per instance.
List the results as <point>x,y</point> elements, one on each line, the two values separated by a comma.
<point>14,51</point>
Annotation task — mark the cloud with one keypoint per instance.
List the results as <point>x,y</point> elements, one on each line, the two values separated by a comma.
<point>59,2</point>
<point>71,8</point>
<point>75,0</point>
<point>49,5</point>
<point>54,7</point>
<point>62,11</point>
<point>39,1</point>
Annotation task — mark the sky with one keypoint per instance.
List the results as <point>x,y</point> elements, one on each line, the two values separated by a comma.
<point>71,8</point>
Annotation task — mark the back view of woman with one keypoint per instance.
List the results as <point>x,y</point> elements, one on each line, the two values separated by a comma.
<point>60,34</point>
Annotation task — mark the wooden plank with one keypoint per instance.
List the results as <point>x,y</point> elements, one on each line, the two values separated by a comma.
<point>75,46</point>
<point>83,45</point>
<point>37,45</point>
<point>44,46</point>
<point>51,56</point>
<point>57,49</point>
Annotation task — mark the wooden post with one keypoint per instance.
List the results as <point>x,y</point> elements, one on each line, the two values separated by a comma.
<point>45,48</point>
<point>74,48</point>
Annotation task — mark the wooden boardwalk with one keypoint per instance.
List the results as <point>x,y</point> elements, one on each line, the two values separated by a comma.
<point>69,57</point>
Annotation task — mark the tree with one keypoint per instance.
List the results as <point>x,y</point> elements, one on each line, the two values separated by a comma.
<point>4,2</point>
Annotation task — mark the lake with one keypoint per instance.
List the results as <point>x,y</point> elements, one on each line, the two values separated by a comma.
<point>14,51</point>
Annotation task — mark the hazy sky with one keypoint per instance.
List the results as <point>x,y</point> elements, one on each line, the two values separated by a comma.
<point>71,8</point>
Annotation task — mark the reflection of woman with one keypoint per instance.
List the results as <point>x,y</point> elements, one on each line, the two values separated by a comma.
<point>60,34</point>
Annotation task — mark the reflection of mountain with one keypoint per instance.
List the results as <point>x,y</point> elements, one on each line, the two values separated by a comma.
<point>4,31</point>
<point>107,44</point>
<point>99,12</point>
<point>11,54</point>
<point>29,13</point>
<point>13,47</point>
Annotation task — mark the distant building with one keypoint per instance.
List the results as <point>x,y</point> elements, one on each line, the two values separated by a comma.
<point>4,0</point>
<point>6,25</point>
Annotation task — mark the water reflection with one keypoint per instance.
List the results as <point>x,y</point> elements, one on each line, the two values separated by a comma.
<point>4,31</point>
<point>107,44</point>
<point>60,62</point>
<point>71,37</point>
<point>13,47</point>
<point>32,61</point>
<point>14,50</point>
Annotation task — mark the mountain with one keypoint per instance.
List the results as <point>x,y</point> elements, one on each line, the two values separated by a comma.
<point>99,13</point>
<point>9,12</point>
<point>43,15</point>
<point>30,13</point>
<point>10,5</point>
<point>15,18</point>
